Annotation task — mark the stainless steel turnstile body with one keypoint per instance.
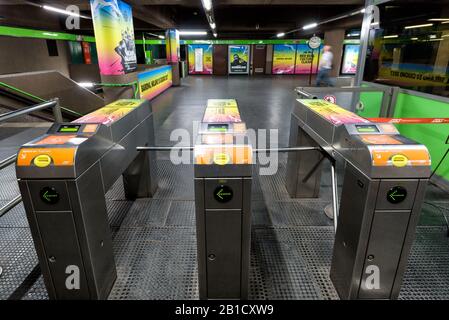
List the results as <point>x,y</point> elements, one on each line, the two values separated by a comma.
<point>63,177</point>
<point>223,205</point>
<point>384,183</point>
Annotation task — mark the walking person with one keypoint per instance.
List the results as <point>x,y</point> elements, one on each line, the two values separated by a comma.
<point>325,67</point>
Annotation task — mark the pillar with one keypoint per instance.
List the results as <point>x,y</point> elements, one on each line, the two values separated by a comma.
<point>114,34</point>
<point>335,38</point>
<point>172,46</point>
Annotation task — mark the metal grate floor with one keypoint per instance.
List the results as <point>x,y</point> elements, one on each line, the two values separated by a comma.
<point>155,244</point>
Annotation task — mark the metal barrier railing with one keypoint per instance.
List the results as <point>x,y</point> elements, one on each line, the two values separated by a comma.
<point>54,104</point>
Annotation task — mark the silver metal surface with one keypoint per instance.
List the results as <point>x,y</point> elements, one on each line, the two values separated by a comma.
<point>38,107</point>
<point>334,194</point>
<point>223,223</point>
<point>11,204</point>
<point>374,232</point>
<point>73,231</point>
<point>6,162</point>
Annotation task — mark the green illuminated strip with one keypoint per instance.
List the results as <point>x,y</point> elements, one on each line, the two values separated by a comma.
<point>367,130</point>
<point>42,34</point>
<point>69,130</point>
<point>34,97</point>
<point>22,92</point>
<point>351,41</point>
<point>218,129</point>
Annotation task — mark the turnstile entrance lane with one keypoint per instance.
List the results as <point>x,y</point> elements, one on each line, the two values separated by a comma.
<point>384,183</point>
<point>63,177</point>
<point>223,169</point>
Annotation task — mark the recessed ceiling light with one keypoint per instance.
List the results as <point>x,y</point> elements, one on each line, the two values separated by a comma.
<point>192,33</point>
<point>419,26</point>
<point>310,26</point>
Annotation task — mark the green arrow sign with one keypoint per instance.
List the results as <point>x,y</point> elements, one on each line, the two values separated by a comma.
<point>396,194</point>
<point>49,195</point>
<point>223,194</point>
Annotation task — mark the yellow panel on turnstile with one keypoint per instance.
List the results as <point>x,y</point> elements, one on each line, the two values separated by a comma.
<point>58,156</point>
<point>233,154</point>
<point>399,155</point>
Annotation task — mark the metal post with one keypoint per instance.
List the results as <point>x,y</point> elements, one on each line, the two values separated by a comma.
<point>311,70</point>
<point>57,111</point>
<point>334,193</point>
<point>364,38</point>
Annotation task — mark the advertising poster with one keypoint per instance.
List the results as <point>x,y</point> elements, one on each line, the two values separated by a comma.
<point>284,56</point>
<point>304,58</point>
<point>350,58</point>
<point>411,74</point>
<point>238,59</point>
<point>200,58</point>
<point>172,45</point>
<point>154,82</point>
<point>114,33</point>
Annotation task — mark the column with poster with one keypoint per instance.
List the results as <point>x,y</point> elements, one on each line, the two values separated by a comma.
<point>172,45</point>
<point>238,57</point>
<point>114,34</point>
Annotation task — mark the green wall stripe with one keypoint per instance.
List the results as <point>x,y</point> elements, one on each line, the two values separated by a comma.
<point>43,34</point>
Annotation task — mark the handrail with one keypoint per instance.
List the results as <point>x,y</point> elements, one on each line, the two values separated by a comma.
<point>355,89</point>
<point>302,92</point>
<point>6,162</point>
<point>133,84</point>
<point>11,204</point>
<point>54,104</point>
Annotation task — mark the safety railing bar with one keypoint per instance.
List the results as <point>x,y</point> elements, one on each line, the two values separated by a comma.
<point>6,162</point>
<point>11,204</point>
<point>305,94</point>
<point>312,90</point>
<point>190,148</point>
<point>38,107</point>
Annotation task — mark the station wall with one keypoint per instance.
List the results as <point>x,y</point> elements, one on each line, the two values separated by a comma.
<point>28,54</point>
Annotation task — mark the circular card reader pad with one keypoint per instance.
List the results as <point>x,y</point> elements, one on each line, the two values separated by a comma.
<point>49,195</point>
<point>42,161</point>
<point>396,195</point>
<point>223,194</point>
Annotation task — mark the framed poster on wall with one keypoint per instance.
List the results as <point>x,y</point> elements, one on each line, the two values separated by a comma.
<point>304,63</point>
<point>350,59</point>
<point>284,56</point>
<point>200,58</point>
<point>238,59</point>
